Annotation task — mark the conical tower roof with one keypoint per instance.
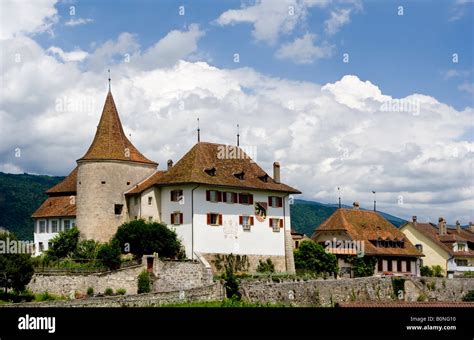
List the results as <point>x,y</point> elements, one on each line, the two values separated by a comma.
<point>110,142</point>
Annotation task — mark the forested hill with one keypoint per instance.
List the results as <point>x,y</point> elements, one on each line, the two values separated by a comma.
<point>21,195</point>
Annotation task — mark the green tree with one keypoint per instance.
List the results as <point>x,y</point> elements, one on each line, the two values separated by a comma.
<point>64,244</point>
<point>86,250</point>
<point>140,238</point>
<point>426,271</point>
<point>16,270</point>
<point>362,266</point>
<point>144,282</point>
<point>312,256</point>
<point>438,271</point>
<point>265,266</point>
<point>109,254</point>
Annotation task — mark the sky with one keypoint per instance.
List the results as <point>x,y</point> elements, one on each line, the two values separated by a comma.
<point>358,95</point>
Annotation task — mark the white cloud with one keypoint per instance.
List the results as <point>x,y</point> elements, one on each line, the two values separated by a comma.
<point>270,18</point>
<point>467,87</point>
<point>452,73</point>
<point>76,22</point>
<point>324,136</point>
<point>303,50</point>
<point>75,55</point>
<point>26,17</point>
<point>338,19</point>
<point>459,9</point>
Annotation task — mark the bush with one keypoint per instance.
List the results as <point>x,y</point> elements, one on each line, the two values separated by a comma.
<point>140,238</point>
<point>46,296</point>
<point>86,250</point>
<point>362,266</point>
<point>426,271</point>
<point>109,255</point>
<point>438,271</point>
<point>90,291</point>
<point>109,291</point>
<point>312,256</point>
<point>144,282</point>
<point>15,297</point>
<point>265,267</point>
<point>16,270</point>
<point>469,296</point>
<point>64,244</point>
<point>398,284</point>
<point>120,291</point>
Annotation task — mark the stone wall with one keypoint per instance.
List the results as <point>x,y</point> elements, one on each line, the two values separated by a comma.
<point>278,261</point>
<point>172,276</point>
<point>207,293</point>
<point>329,292</point>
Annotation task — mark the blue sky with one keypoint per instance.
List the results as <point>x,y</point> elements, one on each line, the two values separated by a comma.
<point>403,54</point>
<point>397,118</point>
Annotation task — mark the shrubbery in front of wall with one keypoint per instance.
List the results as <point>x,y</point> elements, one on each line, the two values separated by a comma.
<point>121,291</point>
<point>90,291</point>
<point>265,266</point>
<point>144,282</point>
<point>109,291</point>
<point>109,254</point>
<point>433,271</point>
<point>362,266</point>
<point>63,244</point>
<point>312,256</point>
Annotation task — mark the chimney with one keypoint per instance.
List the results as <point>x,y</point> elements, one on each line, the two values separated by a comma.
<point>458,226</point>
<point>276,172</point>
<point>170,164</point>
<point>441,226</point>
<point>355,205</point>
<point>471,227</point>
<point>413,218</point>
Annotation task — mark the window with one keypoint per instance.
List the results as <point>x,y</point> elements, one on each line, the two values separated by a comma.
<point>103,182</point>
<point>41,246</point>
<point>176,195</point>
<point>230,197</point>
<point>275,202</point>
<point>73,224</point>
<point>54,226</point>
<point>461,247</point>
<point>118,209</point>
<point>263,178</point>
<point>461,262</point>
<point>67,225</point>
<point>42,226</point>
<point>150,199</point>
<point>246,222</point>
<point>389,265</point>
<point>380,265</point>
<point>409,266</point>
<point>297,244</point>
<point>213,196</point>
<point>399,265</point>
<point>245,198</point>
<point>419,247</point>
<point>176,218</point>
<point>211,171</point>
<point>276,224</point>
<point>240,175</point>
<point>214,219</point>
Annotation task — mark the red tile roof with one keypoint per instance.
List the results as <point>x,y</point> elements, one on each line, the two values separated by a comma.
<point>110,142</point>
<point>405,304</point>
<point>66,186</point>
<point>56,206</point>
<point>206,156</point>
<point>365,225</point>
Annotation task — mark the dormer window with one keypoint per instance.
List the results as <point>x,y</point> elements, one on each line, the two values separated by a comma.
<point>263,178</point>
<point>240,175</point>
<point>211,171</point>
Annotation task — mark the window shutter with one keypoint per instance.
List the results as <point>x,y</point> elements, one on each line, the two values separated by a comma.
<point>171,195</point>
<point>234,197</point>
<point>220,219</point>
<point>208,195</point>
<point>181,218</point>
<point>240,198</point>
<point>280,202</point>
<point>241,220</point>
<point>281,223</point>
<point>208,218</point>
<point>172,218</point>
<point>269,201</point>
<point>251,220</point>
<point>224,197</point>
<point>219,196</point>
<point>270,222</point>
<point>250,199</point>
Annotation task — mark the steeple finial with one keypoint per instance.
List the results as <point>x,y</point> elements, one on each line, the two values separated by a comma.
<point>109,79</point>
<point>199,132</point>
<point>238,135</point>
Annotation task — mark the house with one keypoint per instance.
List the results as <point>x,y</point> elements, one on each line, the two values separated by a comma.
<point>216,198</point>
<point>354,232</point>
<point>452,249</point>
<point>298,238</point>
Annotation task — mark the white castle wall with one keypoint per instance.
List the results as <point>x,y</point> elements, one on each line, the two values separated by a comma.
<point>96,218</point>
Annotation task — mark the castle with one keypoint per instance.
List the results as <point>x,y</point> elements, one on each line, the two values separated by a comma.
<point>218,202</point>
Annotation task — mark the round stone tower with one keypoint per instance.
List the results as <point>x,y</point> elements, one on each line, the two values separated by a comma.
<point>110,167</point>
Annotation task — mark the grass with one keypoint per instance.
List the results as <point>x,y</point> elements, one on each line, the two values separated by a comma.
<point>227,303</point>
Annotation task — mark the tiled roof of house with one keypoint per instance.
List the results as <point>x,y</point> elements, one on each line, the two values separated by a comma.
<point>365,225</point>
<point>110,142</point>
<point>221,171</point>
<point>56,206</point>
<point>66,186</point>
<point>445,241</point>
<point>406,304</point>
